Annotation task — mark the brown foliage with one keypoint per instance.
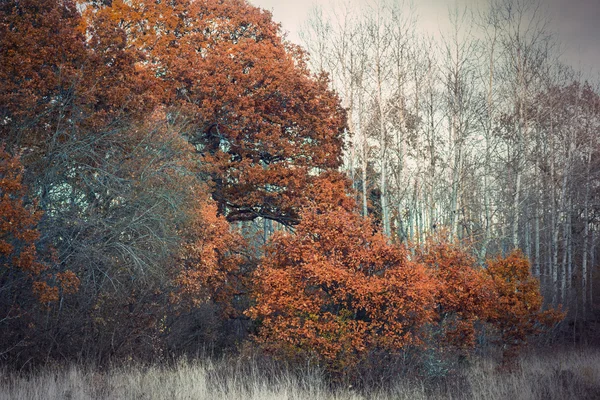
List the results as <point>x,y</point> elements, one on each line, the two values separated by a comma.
<point>40,55</point>
<point>464,292</point>
<point>265,127</point>
<point>56,82</point>
<point>210,258</point>
<point>18,222</point>
<point>517,310</point>
<point>336,290</point>
<point>19,235</point>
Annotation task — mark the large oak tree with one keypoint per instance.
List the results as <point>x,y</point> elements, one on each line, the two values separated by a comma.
<point>264,125</point>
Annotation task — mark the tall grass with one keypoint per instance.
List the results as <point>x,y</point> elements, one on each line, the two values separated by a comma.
<point>557,375</point>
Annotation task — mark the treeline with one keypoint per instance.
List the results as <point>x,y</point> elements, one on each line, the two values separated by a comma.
<point>144,142</point>
<point>482,130</point>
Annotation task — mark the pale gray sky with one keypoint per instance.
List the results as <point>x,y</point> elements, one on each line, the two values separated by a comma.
<point>576,21</point>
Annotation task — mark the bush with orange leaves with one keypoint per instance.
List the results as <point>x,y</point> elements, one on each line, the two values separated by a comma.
<point>503,296</point>
<point>336,289</point>
<point>464,291</point>
<point>517,309</point>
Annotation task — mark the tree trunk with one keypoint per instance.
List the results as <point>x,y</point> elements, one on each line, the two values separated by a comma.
<point>586,236</point>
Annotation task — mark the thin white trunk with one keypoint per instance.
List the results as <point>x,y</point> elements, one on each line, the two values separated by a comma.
<point>570,247</point>
<point>364,149</point>
<point>592,265</point>
<point>565,248</point>
<point>364,174</point>
<point>562,218</point>
<point>555,231</point>
<point>536,263</point>
<point>383,150</point>
<point>517,200</point>
<point>528,239</point>
<point>586,235</point>
<point>454,206</point>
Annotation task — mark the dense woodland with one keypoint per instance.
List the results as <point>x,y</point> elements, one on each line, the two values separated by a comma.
<point>177,177</point>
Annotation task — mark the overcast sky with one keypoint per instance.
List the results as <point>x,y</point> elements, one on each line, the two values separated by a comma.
<point>576,21</point>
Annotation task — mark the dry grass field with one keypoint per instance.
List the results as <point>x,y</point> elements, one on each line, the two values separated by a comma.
<point>573,374</point>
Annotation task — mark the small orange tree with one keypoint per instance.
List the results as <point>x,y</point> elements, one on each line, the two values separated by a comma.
<point>336,289</point>
<point>517,312</point>
<point>464,292</point>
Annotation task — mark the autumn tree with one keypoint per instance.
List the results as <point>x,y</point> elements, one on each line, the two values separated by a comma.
<point>71,84</point>
<point>464,293</point>
<point>337,290</point>
<point>517,313</point>
<point>503,295</point>
<point>265,127</point>
<point>114,178</point>
<point>40,58</point>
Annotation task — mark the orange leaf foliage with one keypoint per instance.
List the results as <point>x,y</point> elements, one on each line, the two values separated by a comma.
<point>464,292</point>
<point>54,76</point>
<point>263,124</point>
<point>336,289</point>
<point>209,267</point>
<point>69,282</point>
<point>44,292</point>
<point>517,311</point>
<point>19,234</point>
<point>18,222</point>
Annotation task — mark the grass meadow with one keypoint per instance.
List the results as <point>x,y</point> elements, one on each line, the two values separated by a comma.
<point>561,374</point>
